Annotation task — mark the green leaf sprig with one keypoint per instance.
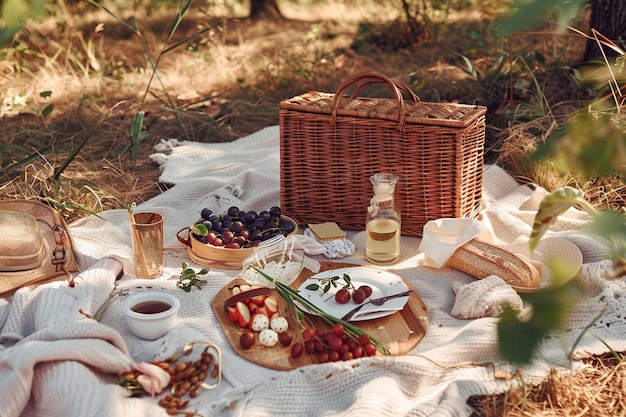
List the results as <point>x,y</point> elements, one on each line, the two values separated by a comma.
<point>291,296</point>
<point>189,278</point>
<point>325,284</point>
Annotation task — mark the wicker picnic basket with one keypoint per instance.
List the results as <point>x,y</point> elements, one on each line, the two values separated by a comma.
<point>330,144</point>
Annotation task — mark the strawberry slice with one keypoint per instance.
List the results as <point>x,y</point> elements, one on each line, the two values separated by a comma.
<point>243,314</point>
<point>271,305</point>
<point>259,300</point>
<point>262,310</point>
<point>232,314</point>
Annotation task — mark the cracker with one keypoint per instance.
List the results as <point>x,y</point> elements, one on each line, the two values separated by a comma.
<point>327,231</point>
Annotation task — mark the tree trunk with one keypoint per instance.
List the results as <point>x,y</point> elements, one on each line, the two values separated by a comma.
<point>264,9</point>
<point>608,17</point>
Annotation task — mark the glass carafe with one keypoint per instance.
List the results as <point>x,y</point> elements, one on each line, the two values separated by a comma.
<point>382,224</point>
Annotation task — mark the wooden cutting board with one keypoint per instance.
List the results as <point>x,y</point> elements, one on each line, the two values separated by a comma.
<point>400,332</point>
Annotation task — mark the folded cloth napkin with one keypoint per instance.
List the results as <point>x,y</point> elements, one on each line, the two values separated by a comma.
<point>484,298</point>
<point>336,248</point>
<point>442,237</point>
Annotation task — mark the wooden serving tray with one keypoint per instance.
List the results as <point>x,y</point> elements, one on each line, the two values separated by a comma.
<point>400,332</point>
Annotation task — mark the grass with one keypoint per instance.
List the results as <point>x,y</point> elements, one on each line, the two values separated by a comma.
<point>72,89</point>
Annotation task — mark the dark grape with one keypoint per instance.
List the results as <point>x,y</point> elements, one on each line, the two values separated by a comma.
<point>268,234</point>
<point>206,213</point>
<point>236,226</point>
<point>258,224</point>
<point>250,217</point>
<point>265,215</point>
<point>202,239</point>
<point>256,235</point>
<point>244,228</point>
<point>286,226</point>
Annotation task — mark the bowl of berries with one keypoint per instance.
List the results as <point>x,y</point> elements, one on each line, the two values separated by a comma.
<point>225,240</point>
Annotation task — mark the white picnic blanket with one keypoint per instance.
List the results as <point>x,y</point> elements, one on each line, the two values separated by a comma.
<point>456,359</point>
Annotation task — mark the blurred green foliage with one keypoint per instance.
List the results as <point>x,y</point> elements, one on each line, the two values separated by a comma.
<point>593,144</point>
<point>16,12</point>
<point>526,15</point>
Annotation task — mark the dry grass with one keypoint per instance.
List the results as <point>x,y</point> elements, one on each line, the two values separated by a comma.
<point>228,84</point>
<point>515,154</point>
<point>597,390</point>
<point>224,85</point>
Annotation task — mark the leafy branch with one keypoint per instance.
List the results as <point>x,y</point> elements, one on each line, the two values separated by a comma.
<point>189,278</point>
<point>325,284</point>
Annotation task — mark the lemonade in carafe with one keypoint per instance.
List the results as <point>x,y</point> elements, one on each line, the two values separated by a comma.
<point>382,224</point>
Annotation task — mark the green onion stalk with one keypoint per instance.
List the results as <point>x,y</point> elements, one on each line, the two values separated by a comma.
<point>289,295</point>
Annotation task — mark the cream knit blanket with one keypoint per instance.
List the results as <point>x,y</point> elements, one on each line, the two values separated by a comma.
<point>56,361</point>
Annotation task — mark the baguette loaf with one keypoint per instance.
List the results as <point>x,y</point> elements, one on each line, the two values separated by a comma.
<point>482,259</point>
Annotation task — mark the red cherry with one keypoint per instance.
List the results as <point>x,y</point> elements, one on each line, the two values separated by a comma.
<point>338,329</point>
<point>342,296</point>
<point>308,334</point>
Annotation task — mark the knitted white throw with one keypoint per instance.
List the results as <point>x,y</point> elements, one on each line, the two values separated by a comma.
<point>456,359</point>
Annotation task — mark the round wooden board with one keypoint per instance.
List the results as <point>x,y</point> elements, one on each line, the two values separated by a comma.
<point>400,332</point>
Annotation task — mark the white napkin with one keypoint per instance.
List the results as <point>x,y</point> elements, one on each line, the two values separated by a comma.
<point>336,248</point>
<point>484,298</point>
<point>442,237</point>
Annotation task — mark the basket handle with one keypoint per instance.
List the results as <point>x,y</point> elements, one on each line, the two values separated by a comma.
<point>181,239</point>
<point>365,79</point>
